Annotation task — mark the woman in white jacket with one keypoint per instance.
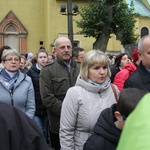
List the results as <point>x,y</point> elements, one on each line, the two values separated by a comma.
<point>85,101</point>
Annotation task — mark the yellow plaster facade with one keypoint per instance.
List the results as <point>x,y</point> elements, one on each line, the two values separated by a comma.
<point>43,22</point>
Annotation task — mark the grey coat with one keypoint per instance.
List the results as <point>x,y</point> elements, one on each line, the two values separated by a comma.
<point>23,95</point>
<point>81,108</point>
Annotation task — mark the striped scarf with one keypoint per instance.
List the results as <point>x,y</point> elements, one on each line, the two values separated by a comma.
<point>10,80</point>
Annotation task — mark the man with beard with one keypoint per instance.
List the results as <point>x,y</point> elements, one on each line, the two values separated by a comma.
<point>55,79</point>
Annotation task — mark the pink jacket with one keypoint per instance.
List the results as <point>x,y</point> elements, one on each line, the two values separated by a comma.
<point>122,75</point>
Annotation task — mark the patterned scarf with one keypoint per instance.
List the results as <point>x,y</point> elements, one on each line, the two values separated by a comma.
<point>9,80</point>
<point>101,84</point>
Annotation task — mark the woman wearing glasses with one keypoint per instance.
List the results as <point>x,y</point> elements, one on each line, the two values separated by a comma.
<point>16,88</point>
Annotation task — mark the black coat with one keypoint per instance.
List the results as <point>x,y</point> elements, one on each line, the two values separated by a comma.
<point>34,73</point>
<point>114,70</point>
<point>106,135</point>
<point>139,79</point>
<point>18,131</point>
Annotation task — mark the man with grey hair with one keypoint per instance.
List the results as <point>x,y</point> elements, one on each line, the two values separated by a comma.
<point>55,79</point>
<point>141,77</point>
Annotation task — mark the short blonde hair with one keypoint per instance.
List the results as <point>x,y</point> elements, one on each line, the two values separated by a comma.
<point>91,58</point>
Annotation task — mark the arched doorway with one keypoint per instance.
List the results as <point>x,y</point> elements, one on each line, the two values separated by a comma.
<point>144,31</point>
<point>13,33</point>
<point>11,38</point>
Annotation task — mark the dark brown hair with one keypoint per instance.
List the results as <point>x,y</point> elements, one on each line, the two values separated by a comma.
<point>118,59</point>
<point>128,100</point>
<point>1,51</point>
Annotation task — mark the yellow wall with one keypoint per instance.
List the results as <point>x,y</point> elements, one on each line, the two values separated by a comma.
<point>146,3</point>
<point>30,13</point>
<point>144,22</point>
<point>59,26</point>
<point>43,21</point>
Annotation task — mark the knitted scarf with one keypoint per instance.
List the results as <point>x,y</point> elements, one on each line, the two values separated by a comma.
<point>10,80</point>
<point>99,84</point>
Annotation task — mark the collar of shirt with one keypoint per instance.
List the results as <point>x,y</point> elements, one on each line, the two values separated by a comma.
<point>69,64</point>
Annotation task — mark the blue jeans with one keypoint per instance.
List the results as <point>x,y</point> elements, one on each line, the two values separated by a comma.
<point>42,122</point>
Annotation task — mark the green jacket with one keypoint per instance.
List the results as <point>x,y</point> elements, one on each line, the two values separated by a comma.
<point>55,79</point>
<point>136,132</point>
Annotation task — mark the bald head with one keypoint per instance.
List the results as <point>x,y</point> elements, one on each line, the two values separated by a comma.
<point>63,49</point>
<point>144,41</point>
<point>144,50</point>
<point>60,40</point>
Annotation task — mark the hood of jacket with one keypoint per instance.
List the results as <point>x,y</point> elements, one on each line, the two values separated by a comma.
<point>93,88</point>
<point>35,68</point>
<point>131,67</point>
<point>105,126</point>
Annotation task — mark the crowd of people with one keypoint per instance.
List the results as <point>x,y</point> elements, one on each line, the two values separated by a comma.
<point>73,100</point>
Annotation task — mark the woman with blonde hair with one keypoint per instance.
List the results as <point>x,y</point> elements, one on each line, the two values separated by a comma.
<point>86,100</point>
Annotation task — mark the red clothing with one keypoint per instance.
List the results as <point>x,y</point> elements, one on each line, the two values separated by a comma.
<point>122,75</point>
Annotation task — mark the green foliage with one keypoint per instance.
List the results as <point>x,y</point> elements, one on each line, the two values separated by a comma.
<point>114,15</point>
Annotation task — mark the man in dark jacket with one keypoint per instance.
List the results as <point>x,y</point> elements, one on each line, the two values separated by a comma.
<point>55,79</point>
<point>78,53</point>
<point>141,77</point>
<point>111,121</point>
<point>18,131</point>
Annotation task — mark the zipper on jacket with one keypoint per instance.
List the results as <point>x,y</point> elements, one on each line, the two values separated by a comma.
<point>11,98</point>
<point>11,94</point>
